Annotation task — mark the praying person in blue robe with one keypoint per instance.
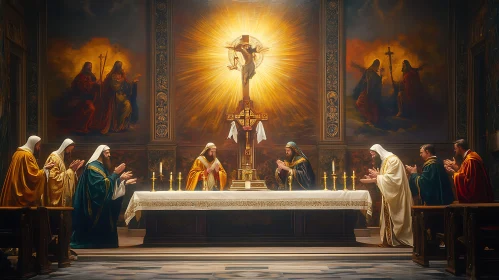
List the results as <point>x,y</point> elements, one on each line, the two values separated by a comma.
<point>97,202</point>
<point>433,184</point>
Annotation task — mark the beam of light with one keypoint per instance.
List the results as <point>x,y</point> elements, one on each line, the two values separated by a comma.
<point>285,84</point>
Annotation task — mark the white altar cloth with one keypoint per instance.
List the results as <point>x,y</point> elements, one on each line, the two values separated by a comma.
<point>247,200</point>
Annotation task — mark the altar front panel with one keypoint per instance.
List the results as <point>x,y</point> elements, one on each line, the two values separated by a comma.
<point>245,218</point>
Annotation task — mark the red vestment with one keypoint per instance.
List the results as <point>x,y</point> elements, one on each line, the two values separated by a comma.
<point>81,103</point>
<point>413,93</point>
<point>471,181</point>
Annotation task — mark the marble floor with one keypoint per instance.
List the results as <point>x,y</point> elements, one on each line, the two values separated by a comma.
<point>391,269</point>
<point>132,261</point>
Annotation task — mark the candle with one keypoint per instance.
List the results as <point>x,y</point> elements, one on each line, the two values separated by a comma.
<point>333,166</point>
<point>345,174</point>
<point>171,176</point>
<point>354,173</point>
<point>153,174</point>
<point>160,168</point>
<point>247,185</point>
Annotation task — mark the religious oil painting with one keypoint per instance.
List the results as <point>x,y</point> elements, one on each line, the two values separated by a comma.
<point>397,70</point>
<point>265,50</point>
<point>97,60</point>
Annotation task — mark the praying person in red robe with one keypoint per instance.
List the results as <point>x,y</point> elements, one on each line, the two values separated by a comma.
<point>471,179</point>
<point>368,93</point>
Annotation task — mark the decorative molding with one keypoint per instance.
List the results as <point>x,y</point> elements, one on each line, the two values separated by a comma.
<point>162,96</point>
<point>461,73</point>
<point>332,125</point>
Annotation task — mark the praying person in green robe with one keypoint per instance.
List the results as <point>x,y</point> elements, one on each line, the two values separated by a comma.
<point>97,202</point>
<point>432,185</point>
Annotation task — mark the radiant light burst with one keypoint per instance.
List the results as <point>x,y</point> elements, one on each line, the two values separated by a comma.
<point>285,84</point>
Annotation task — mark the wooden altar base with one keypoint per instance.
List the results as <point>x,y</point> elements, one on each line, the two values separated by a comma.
<point>250,228</point>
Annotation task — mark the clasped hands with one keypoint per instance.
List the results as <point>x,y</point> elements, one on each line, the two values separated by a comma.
<point>372,177</point>
<point>451,165</point>
<point>125,176</point>
<point>281,165</point>
<point>214,167</point>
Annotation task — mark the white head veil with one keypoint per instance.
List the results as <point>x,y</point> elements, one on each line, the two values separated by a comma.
<point>382,152</point>
<point>97,153</point>
<point>208,146</point>
<point>61,151</point>
<point>30,144</point>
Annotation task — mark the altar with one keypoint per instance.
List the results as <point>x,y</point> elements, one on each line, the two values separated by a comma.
<point>245,218</point>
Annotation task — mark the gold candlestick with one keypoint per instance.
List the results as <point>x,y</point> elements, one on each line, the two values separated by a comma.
<point>153,179</point>
<point>179,181</point>
<point>325,181</point>
<point>344,181</point>
<point>290,180</point>
<point>171,181</point>
<point>334,181</point>
<point>353,180</point>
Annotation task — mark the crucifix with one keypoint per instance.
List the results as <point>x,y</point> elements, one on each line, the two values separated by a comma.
<point>246,116</point>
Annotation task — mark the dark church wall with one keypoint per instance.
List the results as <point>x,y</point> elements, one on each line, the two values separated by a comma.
<point>492,109</point>
<point>4,97</point>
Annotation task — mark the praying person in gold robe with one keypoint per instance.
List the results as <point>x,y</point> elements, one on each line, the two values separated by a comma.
<point>208,166</point>
<point>61,181</point>
<point>25,181</point>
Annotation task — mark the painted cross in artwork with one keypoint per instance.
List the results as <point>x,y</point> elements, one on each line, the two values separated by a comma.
<point>396,70</point>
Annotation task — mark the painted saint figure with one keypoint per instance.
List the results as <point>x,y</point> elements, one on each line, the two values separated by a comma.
<point>368,93</point>
<point>77,108</point>
<point>117,108</point>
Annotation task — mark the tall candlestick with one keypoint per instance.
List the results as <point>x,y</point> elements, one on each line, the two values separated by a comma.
<point>325,181</point>
<point>290,181</point>
<point>353,180</point>
<point>153,179</point>
<point>179,181</point>
<point>344,181</point>
<point>160,168</point>
<point>171,181</point>
<point>333,165</point>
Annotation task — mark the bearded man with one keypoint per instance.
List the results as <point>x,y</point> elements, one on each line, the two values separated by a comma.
<point>296,168</point>
<point>206,167</point>
<point>395,218</point>
<point>471,178</point>
<point>97,202</point>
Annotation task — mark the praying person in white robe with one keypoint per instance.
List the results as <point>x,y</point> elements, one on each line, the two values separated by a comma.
<point>391,179</point>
